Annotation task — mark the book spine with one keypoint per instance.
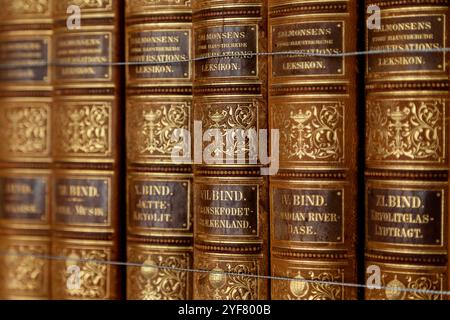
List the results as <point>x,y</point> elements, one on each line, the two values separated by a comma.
<point>159,186</point>
<point>230,109</point>
<point>407,160</point>
<point>25,159</point>
<point>312,103</point>
<point>87,151</point>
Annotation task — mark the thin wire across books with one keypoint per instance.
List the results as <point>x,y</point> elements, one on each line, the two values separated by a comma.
<point>140,265</point>
<point>237,55</point>
<point>287,53</point>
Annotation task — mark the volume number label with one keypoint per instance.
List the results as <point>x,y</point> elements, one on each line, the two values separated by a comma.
<point>228,210</point>
<point>405,216</point>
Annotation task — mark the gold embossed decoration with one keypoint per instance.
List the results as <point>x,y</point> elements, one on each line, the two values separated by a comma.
<point>23,271</point>
<point>158,2</point>
<point>24,129</point>
<point>228,281</point>
<point>408,286</point>
<point>62,5</point>
<point>151,127</point>
<point>240,117</point>
<point>405,130</point>
<point>17,7</point>
<point>84,128</point>
<point>93,276</point>
<point>153,283</point>
<point>308,284</point>
<point>310,132</point>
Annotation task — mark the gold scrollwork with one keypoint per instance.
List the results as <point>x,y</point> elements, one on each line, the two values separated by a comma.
<point>143,3</point>
<point>16,7</point>
<point>407,287</point>
<point>84,128</point>
<point>308,285</point>
<point>221,286</point>
<point>62,5</point>
<point>232,116</point>
<point>24,128</point>
<point>152,283</point>
<point>23,270</point>
<point>151,126</point>
<point>93,276</point>
<point>405,131</point>
<point>311,132</point>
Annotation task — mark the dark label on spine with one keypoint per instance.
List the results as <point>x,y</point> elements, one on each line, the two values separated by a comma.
<point>228,210</point>
<point>23,198</point>
<point>412,34</point>
<point>323,39</point>
<point>237,46</point>
<point>308,215</point>
<point>159,204</point>
<point>405,216</point>
<point>24,60</point>
<point>83,56</point>
<point>82,201</point>
<point>163,54</point>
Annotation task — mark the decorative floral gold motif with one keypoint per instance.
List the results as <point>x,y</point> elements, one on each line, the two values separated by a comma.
<point>93,276</point>
<point>219,285</point>
<point>151,126</point>
<point>83,128</point>
<point>423,284</point>
<point>18,7</point>
<point>405,131</point>
<point>152,283</point>
<point>397,286</point>
<point>142,3</point>
<point>62,5</point>
<point>23,271</point>
<point>311,132</point>
<point>308,285</point>
<point>232,116</point>
<point>24,129</point>
<point>323,289</point>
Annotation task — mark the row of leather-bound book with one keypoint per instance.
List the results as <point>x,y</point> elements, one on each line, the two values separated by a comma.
<point>214,144</point>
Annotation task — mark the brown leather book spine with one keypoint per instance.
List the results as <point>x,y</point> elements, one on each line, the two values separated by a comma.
<point>313,104</point>
<point>87,151</point>
<point>25,160</point>
<point>159,186</point>
<point>407,157</point>
<point>230,194</point>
